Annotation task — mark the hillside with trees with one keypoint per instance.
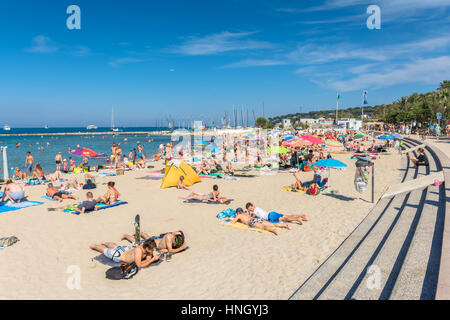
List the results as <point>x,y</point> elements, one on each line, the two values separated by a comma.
<point>419,108</point>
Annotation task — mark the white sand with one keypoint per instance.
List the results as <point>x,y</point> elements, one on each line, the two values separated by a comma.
<point>221,263</point>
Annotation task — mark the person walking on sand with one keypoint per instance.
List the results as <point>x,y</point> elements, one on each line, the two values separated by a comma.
<point>113,155</point>
<point>29,164</point>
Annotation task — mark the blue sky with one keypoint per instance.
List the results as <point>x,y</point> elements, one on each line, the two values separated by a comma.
<point>197,59</point>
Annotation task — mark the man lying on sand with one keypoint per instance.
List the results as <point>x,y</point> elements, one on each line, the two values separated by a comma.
<point>253,221</point>
<point>57,195</point>
<point>274,216</point>
<point>142,255</point>
<point>111,196</point>
<point>88,205</point>
<point>171,242</point>
<point>214,196</point>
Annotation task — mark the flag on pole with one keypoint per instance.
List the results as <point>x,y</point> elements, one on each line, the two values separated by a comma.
<point>365,97</point>
<point>339,96</point>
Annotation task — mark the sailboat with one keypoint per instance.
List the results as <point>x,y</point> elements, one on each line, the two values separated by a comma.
<point>113,128</point>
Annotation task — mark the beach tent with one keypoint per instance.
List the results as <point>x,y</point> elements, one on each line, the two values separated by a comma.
<point>176,168</point>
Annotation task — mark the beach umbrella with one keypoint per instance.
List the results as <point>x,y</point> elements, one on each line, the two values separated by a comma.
<point>386,137</point>
<point>333,143</point>
<point>85,152</point>
<point>329,163</point>
<point>341,136</point>
<point>397,136</point>
<point>312,139</point>
<point>278,149</point>
<point>288,138</point>
<point>202,142</point>
<point>295,143</point>
<point>358,135</point>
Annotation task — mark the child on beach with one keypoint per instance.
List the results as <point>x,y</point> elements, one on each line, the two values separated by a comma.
<point>274,216</point>
<point>297,185</point>
<point>88,205</point>
<point>180,184</point>
<point>111,196</point>
<point>253,221</point>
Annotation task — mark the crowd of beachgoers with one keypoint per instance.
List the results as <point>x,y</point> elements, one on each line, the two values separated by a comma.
<point>230,156</point>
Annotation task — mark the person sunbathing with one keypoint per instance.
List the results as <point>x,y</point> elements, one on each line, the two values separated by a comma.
<point>38,173</point>
<point>140,164</point>
<point>88,205</point>
<point>204,168</point>
<point>143,255</point>
<point>298,185</point>
<point>214,196</point>
<point>111,196</point>
<point>180,184</point>
<point>71,184</point>
<point>252,220</point>
<point>171,242</point>
<point>13,192</point>
<point>19,175</point>
<point>57,195</point>
<point>274,216</point>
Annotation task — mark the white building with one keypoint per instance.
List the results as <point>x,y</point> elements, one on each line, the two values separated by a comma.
<point>308,121</point>
<point>286,123</point>
<point>352,123</point>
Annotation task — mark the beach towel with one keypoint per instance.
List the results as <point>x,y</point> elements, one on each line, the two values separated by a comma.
<point>6,207</point>
<point>100,206</point>
<point>151,178</point>
<point>224,201</point>
<point>107,174</point>
<point>242,226</point>
<point>47,198</point>
<point>292,190</point>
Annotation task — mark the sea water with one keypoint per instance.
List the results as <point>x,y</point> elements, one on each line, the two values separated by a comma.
<point>62,143</point>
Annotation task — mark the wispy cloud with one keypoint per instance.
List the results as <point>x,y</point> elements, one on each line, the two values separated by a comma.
<point>127,60</point>
<point>427,71</point>
<point>82,51</point>
<point>255,63</point>
<point>220,43</point>
<point>42,44</point>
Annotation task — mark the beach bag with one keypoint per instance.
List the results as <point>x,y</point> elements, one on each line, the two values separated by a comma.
<point>227,213</point>
<point>306,168</point>
<point>124,271</point>
<point>314,190</point>
<point>360,181</point>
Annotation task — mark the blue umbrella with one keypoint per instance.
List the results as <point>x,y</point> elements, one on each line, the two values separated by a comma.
<point>329,163</point>
<point>202,142</point>
<point>288,138</point>
<point>386,137</point>
<point>397,136</point>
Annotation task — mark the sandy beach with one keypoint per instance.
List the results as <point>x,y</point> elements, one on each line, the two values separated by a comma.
<point>221,262</point>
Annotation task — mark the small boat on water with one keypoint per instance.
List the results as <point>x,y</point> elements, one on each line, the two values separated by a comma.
<point>46,126</point>
<point>91,126</point>
<point>6,127</point>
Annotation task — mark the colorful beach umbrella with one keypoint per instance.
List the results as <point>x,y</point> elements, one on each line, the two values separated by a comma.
<point>85,152</point>
<point>278,149</point>
<point>333,143</point>
<point>386,137</point>
<point>358,135</point>
<point>329,163</point>
<point>312,139</point>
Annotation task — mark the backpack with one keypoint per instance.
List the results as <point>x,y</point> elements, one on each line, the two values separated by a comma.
<point>124,271</point>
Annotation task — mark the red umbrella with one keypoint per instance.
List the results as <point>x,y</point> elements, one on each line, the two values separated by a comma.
<point>312,139</point>
<point>85,152</point>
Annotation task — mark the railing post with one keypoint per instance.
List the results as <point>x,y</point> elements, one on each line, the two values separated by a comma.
<point>5,164</point>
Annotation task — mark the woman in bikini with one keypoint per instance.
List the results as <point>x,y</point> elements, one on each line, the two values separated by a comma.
<point>113,155</point>
<point>214,196</point>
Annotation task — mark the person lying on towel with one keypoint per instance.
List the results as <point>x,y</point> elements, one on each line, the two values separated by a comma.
<point>89,205</point>
<point>143,255</point>
<point>171,242</point>
<point>274,216</point>
<point>298,184</point>
<point>251,220</point>
<point>214,196</point>
<point>111,196</point>
<point>58,195</point>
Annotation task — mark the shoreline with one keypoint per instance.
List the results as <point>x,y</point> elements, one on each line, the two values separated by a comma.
<point>155,133</point>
